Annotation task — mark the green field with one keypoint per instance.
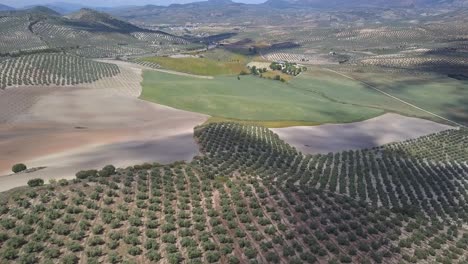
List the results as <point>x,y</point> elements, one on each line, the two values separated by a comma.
<point>250,98</point>
<point>316,97</point>
<point>439,94</point>
<point>212,63</point>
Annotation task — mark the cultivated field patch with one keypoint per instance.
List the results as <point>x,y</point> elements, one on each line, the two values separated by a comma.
<point>439,94</point>
<point>371,133</point>
<point>198,66</point>
<point>249,98</point>
<point>317,95</point>
<point>100,123</point>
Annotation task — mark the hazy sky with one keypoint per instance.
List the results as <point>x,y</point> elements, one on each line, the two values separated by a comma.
<point>106,3</point>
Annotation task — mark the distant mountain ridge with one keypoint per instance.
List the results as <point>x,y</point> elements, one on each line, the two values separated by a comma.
<point>92,16</point>
<point>6,8</point>
<point>60,7</point>
<point>271,11</point>
<point>87,33</point>
<point>365,3</point>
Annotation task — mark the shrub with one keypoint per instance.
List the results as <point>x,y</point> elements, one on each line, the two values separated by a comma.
<point>3,237</point>
<point>18,168</point>
<point>10,253</point>
<point>153,256</point>
<point>28,258</point>
<point>134,251</point>
<point>52,253</point>
<point>95,241</point>
<point>250,253</point>
<point>213,256</point>
<point>107,171</point>
<point>16,242</point>
<point>194,253</point>
<point>175,258</point>
<point>98,230</point>
<point>61,229</point>
<point>94,252</point>
<point>75,247</point>
<point>272,257</point>
<point>33,247</point>
<point>7,223</point>
<point>132,240</point>
<point>63,182</point>
<point>70,259</point>
<point>114,258</point>
<point>233,260</point>
<point>35,182</point>
<point>345,259</point>
<point>152,244</point>
<point>84,174</point>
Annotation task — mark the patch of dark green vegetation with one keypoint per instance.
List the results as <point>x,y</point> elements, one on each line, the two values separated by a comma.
<point>250,198</point>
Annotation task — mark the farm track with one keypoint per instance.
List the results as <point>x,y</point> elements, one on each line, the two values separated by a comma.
<point>396,98</point>
<point>145,67</point>
<point>183,74</point>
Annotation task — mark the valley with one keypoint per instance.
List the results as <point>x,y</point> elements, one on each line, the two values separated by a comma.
<point>289,131</point>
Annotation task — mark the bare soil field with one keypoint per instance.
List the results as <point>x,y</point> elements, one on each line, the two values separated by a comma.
<point>374,132</point>
<point>14,101</point>
<point>125,83</point>
<point>67,129</point>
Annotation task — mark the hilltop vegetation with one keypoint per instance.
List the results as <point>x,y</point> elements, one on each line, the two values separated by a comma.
<point>249,198</point>
<point>381,178</point>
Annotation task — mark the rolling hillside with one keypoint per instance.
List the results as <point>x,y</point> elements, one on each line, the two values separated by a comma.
<point>87,33</point>
<point>6,8</point>
<point>249,198</point>
<point>282,12</point>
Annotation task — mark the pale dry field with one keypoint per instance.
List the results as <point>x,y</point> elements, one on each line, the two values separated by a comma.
<point>259,64</point>
<point>374,132</point>
<point>67,129</point>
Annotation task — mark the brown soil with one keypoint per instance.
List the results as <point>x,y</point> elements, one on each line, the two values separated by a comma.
<point>67,129</point>
<point>374,132</point>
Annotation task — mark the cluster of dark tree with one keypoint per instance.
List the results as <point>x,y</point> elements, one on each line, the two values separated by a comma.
<point>287,68</point>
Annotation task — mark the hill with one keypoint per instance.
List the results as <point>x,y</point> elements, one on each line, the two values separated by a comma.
<point>292,11</point>
<point>86,33</point>
<point>212,11</point>
<point>367,3</point>
<point>40,10</point>
<point>248,198</point>
<point>6,8</point>
<point>62,7</point>
<point>102,19</point>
